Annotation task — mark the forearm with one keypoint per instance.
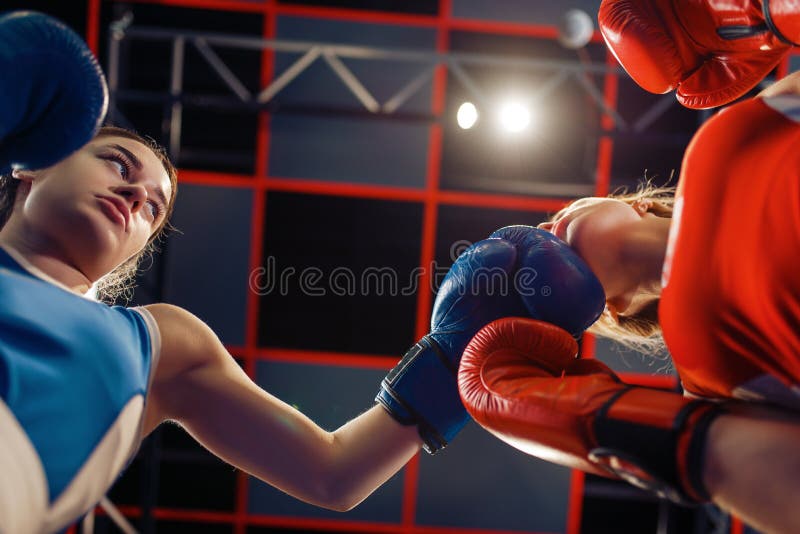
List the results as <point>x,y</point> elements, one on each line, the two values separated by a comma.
<point>752,468</point>
<point>367,452</point>
<point>281,446</point>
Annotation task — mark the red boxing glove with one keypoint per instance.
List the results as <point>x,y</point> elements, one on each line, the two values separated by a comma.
<point>711,52</point>
<point>520,379</point>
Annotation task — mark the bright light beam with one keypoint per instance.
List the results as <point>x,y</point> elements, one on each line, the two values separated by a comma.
<point>514,117</point>
<point>467,115</point>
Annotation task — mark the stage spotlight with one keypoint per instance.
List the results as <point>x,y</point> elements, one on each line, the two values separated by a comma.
<point>467,115</point>
<point>575,29</point>
<point>514,117</point>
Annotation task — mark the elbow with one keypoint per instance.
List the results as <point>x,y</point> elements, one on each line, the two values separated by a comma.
<point>333,501</point>
<point>321,492</point>
<point>343,506</point>
<point>338,495</point>
<point>336,484</point>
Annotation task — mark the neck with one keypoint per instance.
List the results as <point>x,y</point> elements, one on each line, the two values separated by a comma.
<point>643,251</point>
<point>43,259</point>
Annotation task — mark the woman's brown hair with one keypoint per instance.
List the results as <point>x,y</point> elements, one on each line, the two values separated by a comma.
<point>118,284</point>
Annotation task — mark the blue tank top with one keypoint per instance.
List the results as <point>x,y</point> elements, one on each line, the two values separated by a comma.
<point>74,376</point>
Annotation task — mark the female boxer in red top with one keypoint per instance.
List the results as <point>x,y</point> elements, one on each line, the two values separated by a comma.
<point>716,273</point>
<point>717,262</point>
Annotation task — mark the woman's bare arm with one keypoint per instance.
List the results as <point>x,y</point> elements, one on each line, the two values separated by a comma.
<point>200,386</point>
<point>752,468</point>
<point>788,85</point>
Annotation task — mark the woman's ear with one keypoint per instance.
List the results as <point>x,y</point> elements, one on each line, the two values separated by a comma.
<point>643,205</point>
<point>25,178</point>
<point>611,311</point>
<point>23,174</point>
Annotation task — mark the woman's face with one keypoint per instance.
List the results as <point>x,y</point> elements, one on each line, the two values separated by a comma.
<point>594,227</point>
<point>98,207</point>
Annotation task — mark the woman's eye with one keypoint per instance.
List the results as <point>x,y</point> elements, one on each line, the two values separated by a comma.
<point>120,167</point>
<point>155,209</point>
<point>118,161</point>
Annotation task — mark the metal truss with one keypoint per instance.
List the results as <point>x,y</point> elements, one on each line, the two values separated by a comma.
<point>333,55</point>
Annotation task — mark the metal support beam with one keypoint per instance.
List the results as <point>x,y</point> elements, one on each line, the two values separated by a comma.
<point>289,74</point>
<point>351,81</point>
<point>410,89</point>
<point>334,54</point>
<point>656,110</point>
<point>175,89</point>
<point>554,73</point>
<point>222,70</point>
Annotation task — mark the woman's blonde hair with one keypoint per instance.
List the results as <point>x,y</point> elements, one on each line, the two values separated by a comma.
<point>119,283</point>
<point>639,331</point>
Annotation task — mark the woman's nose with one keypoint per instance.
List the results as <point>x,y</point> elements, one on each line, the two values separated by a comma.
<point>135,195</point>
<point>545,225</point>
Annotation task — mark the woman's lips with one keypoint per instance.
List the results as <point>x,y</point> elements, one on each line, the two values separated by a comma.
<point>113,211</point>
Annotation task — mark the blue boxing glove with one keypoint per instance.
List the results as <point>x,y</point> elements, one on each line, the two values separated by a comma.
<point>518,271</point>
<point>53,95</point>
<point>554,282</point>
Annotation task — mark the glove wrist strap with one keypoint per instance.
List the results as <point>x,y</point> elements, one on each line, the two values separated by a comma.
<point>420,390</point>
<point>659,446</point>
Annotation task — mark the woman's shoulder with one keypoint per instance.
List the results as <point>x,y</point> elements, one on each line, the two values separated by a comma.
<point>179,325</point>
<point>190,353</point>
<point>170,315</point>
<point>186,340</point>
